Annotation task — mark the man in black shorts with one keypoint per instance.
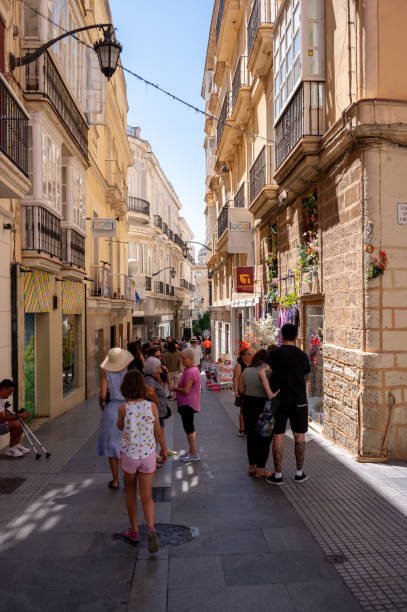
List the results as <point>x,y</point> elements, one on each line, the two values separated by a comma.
<point>289,365</point>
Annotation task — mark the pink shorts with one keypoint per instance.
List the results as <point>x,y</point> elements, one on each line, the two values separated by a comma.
<point>144,466</point>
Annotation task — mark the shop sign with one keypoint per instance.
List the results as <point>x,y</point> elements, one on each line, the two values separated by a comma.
<point>402,213</point>
<point>239,230</point>
<point>245,279</point>
<point>103,227</point>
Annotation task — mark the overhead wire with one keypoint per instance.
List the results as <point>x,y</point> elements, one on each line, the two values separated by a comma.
<point>157,87</point>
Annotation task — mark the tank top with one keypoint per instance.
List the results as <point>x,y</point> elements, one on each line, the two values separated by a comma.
<point>253,385</point>
<point>138,439</point>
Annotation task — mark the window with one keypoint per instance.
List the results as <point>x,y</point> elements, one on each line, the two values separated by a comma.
<point>73,194</point>
<point>51,173</point>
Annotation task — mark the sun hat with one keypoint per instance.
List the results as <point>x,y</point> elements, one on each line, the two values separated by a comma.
<point>117,359</point>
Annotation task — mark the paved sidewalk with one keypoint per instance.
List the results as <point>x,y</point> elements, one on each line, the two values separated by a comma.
<point>259,546</point>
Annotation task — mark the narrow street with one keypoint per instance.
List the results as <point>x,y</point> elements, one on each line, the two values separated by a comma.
<point>254,547</point>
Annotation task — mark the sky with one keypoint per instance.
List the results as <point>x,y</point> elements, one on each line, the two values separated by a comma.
<point>165,42</point>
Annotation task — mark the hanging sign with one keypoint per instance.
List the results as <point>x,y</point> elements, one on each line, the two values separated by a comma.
<point>103,227</point>
<point>239,230</point>
<point>245,279</point>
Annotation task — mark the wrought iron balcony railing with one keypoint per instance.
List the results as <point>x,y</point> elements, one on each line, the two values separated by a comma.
<point>148,283</point>
<point>42,77</point>
<point>165,229</point>
<point>158,222</point>
<point>102,285</point>
<point>225,112</point>
<point>139,205</point>
<point>72,247</point>
<point>41,231</point>
<point>171,235</point>
<point>302,117</point>
<point>183,283</point>
<point>13,128</point>
<point>260,173</point>
<point>240,78</point>
<point>223,221</point>
<point>178,240</point>
<point>239,200</point>
<point>219,18</point>
<point>264,11</point>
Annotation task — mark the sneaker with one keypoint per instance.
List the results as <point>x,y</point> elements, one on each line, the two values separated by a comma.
<point>171,453</point>
<point>301,478</point>
<point>153,543</point>
<point>275,481</point>
<point>131,535</point>
<point>14,452</point>
<point>190,457</point>
<point>22,449</point>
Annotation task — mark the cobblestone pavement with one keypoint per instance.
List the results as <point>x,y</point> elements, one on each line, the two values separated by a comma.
<point>262,547</point>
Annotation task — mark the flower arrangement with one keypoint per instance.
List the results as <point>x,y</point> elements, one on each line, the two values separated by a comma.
<point>308,249</point>
<point>377,266</point>
<point>272,263</point>
<point>263,333</point>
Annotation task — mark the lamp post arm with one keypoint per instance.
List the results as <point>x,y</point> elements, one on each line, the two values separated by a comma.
<point>162,270</point>
<point>30,57</point>
<point>204,245</point>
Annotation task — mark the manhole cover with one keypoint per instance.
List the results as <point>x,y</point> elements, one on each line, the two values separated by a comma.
<point>336,559</point>
<point>169,535</point>
<point>161,494</point>
<point>9,485</point>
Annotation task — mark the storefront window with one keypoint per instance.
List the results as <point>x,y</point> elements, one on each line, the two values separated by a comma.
<point>29,363</point>
<point>314,321</point>
<point>69,351</point>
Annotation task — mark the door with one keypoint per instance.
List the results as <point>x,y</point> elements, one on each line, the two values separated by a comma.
<point>29,363</point>
<point>314,322</point>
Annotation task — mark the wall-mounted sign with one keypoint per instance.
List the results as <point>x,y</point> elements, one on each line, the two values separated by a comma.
<point>245,279</point>
<point>103,227</point>
<point>402,213</point>
<point>239,230</point>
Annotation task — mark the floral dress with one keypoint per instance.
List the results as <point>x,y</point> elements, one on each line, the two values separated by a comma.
<point>138,441</point>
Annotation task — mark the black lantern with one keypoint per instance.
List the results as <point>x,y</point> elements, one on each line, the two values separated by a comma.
<point>185,251</point>
<point>108,52</point>
<point>172,273</point>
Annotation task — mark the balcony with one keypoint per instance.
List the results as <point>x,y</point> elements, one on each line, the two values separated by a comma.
<point>262,189</point>
<point>72,248</point>
<point>165,229</point>
<point>230,15</point>
<point>122,288</point>
<point>225,113</point>
<point>226,136</point>
<point>102,285</point>
<point>42,78</point>
<point>158,222</point>
<point>178,241</point>
<point>298,131</point>
<point>148,283</point>
<point>171,235</point>
<point>167,289</point>
<point>240,197</point>
<point>260,37</point>
<point>14,182</point>
<point>183,283</point>
<point>41,236</point>
<point>139,210</point>
<point>241,93</point>
<point>116,188</point>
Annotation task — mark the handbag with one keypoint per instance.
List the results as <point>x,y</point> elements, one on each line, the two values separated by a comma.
<point>238,401</point>
<point>266,421</point>
<point>169,413</point>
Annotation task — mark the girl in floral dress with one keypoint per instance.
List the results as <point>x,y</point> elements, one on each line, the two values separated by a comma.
<point>139,422</point>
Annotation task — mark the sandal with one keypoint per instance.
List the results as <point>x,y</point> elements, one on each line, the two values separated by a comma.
<point>252,471</point>
<point>113,486</point>
<point>264,474</point>
<point>131,535</point>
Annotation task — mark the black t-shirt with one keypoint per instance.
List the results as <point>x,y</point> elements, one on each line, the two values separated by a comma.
<point>289,365</point>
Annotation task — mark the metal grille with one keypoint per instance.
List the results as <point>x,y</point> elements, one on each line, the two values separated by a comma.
<point>148,283</point>
<point>240,78</point>
<point>183,283</point>
<point>77,249</point>
<point>13,130</point>
<point>42,231</point>
<point>139,205</point>
<point>239,201</point>
<point>258,174</point>
<point>165,229</point>
<point>158,222</point>
<point>264,11</point>
<point>222,221</point>
<point>224,114</point>
<point>219,18</point>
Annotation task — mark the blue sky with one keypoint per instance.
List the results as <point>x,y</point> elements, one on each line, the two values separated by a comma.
<point>165,42</point>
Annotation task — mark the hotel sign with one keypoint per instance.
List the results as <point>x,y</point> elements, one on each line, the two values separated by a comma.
<point>103,227</point>
<point>245,279</point>
<point>239,230</point>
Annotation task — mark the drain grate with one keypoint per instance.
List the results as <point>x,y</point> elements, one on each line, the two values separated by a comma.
<point>161,494</point>
<point>336,559</point>
<point>168,535</point>
<point>9,485</point>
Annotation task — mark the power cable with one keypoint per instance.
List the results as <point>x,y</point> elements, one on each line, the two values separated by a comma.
<point>157,87</point>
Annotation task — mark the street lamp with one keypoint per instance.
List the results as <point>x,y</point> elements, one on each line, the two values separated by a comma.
<point>186,249</point>
<point>197,299</point>
<point>107,49</point>
<point>172,271</point>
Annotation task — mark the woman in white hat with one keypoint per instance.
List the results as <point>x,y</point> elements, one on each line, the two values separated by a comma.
<point>114,368</point>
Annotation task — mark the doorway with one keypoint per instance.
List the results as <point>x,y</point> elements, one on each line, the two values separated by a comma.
<point>313,346</point>
<point>29,363</point>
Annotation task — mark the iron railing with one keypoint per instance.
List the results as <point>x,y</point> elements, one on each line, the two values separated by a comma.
<point>139,205</point>
<point>148,283</point>
<point>240,78</point>
<point>171,235</point>
<point>72,247</point>
<point>13,129</point>
<point>158,222</point>
<point>239,200</point>
<point>302,117</point>
<point>260,173</point>
<point>165,229</point>
<point>178,240</point>
<point>225,112</point>
<point>102,285</point>
<point>191,287</point>
<point>183,283</point>
<point>223,221</point>
<point>264,11</point>
<point>42,77</point>
<point>219,18</point>
<point>41,231</point>
<point>172,291</point>
<point>167,289</point>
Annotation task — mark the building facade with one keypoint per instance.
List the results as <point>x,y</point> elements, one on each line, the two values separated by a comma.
<point>317,160</point>
<point>157,236</point>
